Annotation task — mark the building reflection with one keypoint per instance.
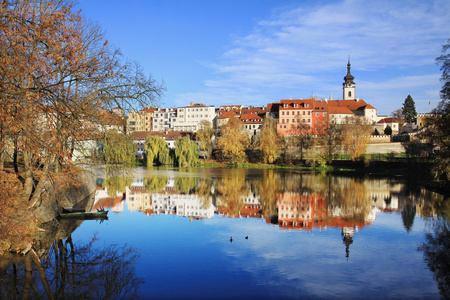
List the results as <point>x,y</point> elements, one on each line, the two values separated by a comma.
<point>296,202</point>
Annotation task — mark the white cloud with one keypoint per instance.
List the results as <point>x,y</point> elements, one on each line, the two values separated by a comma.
<point>302,49</point>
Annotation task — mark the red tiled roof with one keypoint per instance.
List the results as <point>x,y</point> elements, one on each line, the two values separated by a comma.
<point>387,120</point>
<point>227,114</point>
<point>339,110</point>
<point>248,117</point>
<point>350,104</point>
<point>149,109</point>
<point>300,104</point>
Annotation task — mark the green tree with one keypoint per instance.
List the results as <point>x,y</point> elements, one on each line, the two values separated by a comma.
<point>186,152</point>
<point>154,147</point>
<point>388,130</point>
<point>269,143</point>
<point>409,109</point>
<point>204,137</point>
<point>233,141</point>
<point>118,148</point>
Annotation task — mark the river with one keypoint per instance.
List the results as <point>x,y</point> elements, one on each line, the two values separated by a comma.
<point>230,233</point>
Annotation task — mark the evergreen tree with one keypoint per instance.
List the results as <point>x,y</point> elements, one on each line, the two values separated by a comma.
<point>409,109</point>
<point>388,130</point>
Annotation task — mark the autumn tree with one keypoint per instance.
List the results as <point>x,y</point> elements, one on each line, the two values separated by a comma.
<point>58,75</point>
<point>409,109</point>
<point>204,137</point>
<point>355,137</point>
<point>118,148</point>
<point>269,143</point>
<point>186,152</point>
<point>301,136</point>
<point>399,116</point>
<point>233,141</point>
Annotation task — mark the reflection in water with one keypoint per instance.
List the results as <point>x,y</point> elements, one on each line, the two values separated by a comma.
<point>436,252</point>
<point>292,200</point>
<point>274,261</point>
<point>232,191</point>
<point>63,270</point>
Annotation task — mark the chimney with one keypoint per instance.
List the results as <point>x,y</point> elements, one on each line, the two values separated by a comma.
<point>192,103</point>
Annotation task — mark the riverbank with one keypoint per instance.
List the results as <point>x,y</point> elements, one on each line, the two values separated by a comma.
<point>418,169</point>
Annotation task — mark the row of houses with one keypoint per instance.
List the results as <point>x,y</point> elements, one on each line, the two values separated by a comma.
<point>293,116</point>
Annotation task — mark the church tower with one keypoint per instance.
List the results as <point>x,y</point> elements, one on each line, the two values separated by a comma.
<point>349,85</point>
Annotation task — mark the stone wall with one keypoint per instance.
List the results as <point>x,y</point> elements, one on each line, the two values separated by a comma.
<point>377,148</point>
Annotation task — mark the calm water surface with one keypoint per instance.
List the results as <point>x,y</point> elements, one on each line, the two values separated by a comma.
<point>262,234</point>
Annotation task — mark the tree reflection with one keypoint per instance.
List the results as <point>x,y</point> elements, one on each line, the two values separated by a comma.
<point>184,185</point>
<point>204,192</point>
<point>350,199</point>
<point>436,252</point>
<point>69,272</point>
<point>117,179</point>
<point>408,215</point>
<point>231,191</point>
<point>155,184</point>
<point>269,188</point>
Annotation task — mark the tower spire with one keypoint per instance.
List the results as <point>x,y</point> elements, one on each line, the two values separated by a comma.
<point>349,84</point>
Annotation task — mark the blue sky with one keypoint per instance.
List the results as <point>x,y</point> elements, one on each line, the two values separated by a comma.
<point>253,52</point>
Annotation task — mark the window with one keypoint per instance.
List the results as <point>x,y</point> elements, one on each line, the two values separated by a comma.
<point>282,113</point>
<point>287,113</point>
<point>317,114</point>
<point>306,105</point>
<point>303,112</point>
<point>349,93</point>
<point>324,114</point>
<point>287,120</point>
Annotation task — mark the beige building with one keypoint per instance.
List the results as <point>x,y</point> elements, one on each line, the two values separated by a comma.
<point>141,120</point>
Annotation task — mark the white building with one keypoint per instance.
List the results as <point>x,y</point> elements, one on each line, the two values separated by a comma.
<point>163,119</point>
<point>190,117</point>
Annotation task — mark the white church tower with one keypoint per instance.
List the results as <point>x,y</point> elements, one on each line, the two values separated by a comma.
<point>349,85</point>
